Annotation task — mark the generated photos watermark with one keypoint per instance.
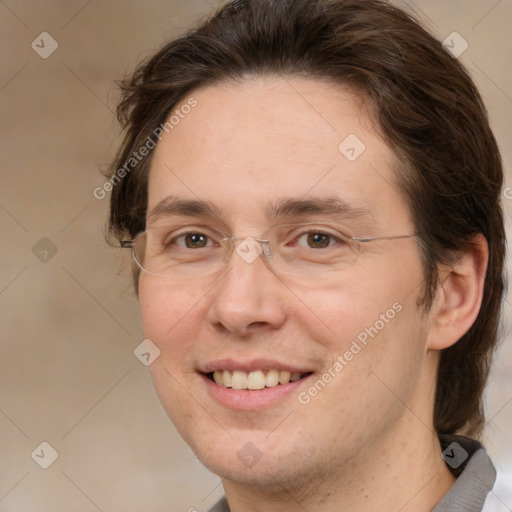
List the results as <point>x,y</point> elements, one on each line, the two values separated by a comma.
<point>150,144</point>
<point>355,348</point>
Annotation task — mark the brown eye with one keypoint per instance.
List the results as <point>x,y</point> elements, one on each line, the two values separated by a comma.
<point>318,240</point>
<point>195,240</point>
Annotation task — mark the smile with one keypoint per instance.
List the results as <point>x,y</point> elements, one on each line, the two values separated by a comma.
<point>254,380</point>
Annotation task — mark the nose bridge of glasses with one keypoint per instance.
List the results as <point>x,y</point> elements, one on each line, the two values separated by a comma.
<point>248,248</point>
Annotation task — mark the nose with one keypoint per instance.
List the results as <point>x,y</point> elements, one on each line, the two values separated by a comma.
<point>249,298</point>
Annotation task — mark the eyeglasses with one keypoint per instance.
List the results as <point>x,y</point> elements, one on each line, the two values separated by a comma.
<point>309,249</point>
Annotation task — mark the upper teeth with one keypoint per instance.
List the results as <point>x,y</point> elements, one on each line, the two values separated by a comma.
<point>253,380</point>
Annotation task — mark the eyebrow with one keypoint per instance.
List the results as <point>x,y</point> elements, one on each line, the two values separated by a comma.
<point>332,206</point>
<point>185,207</point>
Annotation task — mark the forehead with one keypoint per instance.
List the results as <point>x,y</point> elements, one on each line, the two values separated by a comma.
<point>248,143</point>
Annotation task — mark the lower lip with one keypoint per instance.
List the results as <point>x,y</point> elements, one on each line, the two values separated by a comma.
<point>252,400</point>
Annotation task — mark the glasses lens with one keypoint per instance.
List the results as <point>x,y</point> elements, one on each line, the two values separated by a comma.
<point>294,249</point>
<point>163,251</point>
<point>312,249</point>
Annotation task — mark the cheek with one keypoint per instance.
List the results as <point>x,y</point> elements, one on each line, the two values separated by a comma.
<point>375,364</point>
<point>169,316</point>
<point>372,319</point>
<point>162,305</point>
<point>347,311</point>
<point>170,320</point>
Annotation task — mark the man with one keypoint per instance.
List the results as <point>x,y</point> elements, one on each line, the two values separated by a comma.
<point>311,191</point>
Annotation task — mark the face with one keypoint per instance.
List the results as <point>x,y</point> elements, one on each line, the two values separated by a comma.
<point>252,156</point>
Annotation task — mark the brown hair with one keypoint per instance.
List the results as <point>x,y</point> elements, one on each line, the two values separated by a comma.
<point>428,109</point>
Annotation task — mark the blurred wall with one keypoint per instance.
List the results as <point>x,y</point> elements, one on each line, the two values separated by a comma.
<point>69,320</point>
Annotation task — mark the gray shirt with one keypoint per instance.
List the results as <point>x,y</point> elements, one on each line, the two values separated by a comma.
<point>468,461</point>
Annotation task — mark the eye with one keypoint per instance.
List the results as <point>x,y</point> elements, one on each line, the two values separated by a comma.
<point>317,240</point>
<point>192,241</point>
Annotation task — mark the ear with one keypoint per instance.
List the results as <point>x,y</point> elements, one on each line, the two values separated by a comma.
<point>459,294</point>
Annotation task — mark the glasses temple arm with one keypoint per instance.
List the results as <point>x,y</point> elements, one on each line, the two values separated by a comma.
<point>373,239</point>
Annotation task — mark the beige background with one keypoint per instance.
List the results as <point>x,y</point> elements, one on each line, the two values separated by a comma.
<point>69,325</point>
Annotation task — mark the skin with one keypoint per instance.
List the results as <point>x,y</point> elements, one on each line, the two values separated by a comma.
<point>365,441</point>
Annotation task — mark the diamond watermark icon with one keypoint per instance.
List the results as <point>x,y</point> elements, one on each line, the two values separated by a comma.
<point>44,250</point>
<point>44,455</point>
<point>249,249</point>
<point>249,455</point>
<point>44,45</point>
<point>454,455</point>
<point>146,352</point>
<point>455,44</point>
<point>352,147</point>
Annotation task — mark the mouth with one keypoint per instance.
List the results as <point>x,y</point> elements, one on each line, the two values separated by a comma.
<point>255,380</point>
<point>253,385</point>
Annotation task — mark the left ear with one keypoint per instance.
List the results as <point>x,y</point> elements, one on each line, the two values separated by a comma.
<point>459,294</point>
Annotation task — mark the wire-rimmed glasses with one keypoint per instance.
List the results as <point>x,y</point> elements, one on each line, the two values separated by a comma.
<point>303,249</point>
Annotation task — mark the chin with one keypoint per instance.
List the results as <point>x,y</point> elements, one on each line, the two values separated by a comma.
<point>258,463</point>
<point>267,472</point>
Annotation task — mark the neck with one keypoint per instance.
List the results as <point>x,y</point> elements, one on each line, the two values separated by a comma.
<point>403,471</point>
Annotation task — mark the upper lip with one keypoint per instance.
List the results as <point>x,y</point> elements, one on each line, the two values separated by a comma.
<point>252,365</point>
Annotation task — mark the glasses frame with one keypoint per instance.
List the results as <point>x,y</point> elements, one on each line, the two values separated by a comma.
<point>229,244</point>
